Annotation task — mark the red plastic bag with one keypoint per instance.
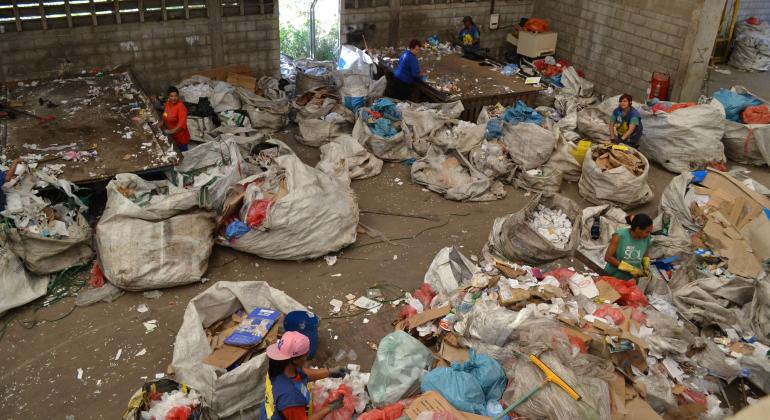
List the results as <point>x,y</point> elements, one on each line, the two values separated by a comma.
<point>97,277</point>
<point>609,311</point>
<point>348,404</point>
<point>407,311</point>
<point>630,294</point>
<point>536,25</point>
<point>561,274</point>
<point>759,114</point>
<point>389,412</point>
<point>638,316</point>
<point>180,412</point>
<point>425,295</point>
<point>753,20</point>
<point>257,213</point>
<point>682,105</point>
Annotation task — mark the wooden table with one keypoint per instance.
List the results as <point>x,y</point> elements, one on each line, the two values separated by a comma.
<point>92,113</point>
<point>479,84</point>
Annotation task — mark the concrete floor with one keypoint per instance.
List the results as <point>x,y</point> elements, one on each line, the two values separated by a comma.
<point>38,366</point>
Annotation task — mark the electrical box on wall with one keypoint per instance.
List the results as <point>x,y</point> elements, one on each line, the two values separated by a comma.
<point>494,21</point>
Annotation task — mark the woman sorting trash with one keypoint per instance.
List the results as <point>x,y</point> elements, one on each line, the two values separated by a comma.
<point>626,123</point>
<point>627,254</point>
<point>407,72</point>
<point>287,393</point>
<point>175,119</point>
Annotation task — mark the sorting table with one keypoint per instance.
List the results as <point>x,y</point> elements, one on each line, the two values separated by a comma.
<point>479,85</point>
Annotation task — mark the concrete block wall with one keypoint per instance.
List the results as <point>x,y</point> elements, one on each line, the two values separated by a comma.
<point>445,20</point>
<point>442,18</point>
<point>748,8</point>
<point>253,40</point>
<point>159,53</point>
<point>619,43</point>
<point>379,17</point>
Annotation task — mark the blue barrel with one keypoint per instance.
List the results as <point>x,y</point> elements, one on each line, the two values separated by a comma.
<point>305,322</point>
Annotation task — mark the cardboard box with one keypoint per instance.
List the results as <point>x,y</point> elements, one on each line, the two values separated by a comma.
<point>220,73</point>
<point>452,354</point>
<point>242,80</point>
<point>253,328</point>
<point>729,243</point>
<point>433,401</point>
<point>511,296</point>
<point>607,292</point>
<point>427,316</point>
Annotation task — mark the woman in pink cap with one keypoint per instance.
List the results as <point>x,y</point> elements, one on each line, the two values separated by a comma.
<point>287,393</point>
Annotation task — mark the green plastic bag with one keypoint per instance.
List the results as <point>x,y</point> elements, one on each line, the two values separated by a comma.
<point>397,370</point>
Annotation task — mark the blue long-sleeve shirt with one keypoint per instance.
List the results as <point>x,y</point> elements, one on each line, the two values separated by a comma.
<point>408,69</point>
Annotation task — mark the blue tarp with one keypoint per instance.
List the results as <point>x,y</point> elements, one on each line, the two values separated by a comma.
<point>735,103</point>
<point>512,115</point>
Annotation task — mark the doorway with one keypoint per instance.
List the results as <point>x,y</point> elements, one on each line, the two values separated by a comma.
<point>295,29</point>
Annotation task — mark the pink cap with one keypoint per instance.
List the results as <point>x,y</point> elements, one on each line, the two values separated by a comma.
<point>291,345</point>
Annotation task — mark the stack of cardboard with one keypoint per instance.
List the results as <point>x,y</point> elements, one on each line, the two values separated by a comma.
<point>224,355</point>
<point>736,225</point>
<point>611,157</point>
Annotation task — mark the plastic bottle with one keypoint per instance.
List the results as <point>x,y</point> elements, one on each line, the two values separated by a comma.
<point>596,229</point>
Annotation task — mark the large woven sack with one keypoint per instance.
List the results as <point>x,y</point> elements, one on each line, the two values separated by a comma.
<point>452,176</point>
<point>46,255</point>
<point>686,138</point>
<point>529,145</point>
<point>222,390</point>
<point>513,238</point>
<point>165,242</point>
<point>614,186</point>
<point>317,215</point>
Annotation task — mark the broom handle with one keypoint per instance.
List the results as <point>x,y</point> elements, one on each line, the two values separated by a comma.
<point>522,400</point>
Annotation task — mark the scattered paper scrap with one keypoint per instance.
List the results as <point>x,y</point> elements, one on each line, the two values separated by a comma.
<point>117,356</point>
<point>141,352</point>
<point>142,308</point>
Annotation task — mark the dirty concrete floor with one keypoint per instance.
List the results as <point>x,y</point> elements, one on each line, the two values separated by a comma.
<point>756,82</point>
<point>38,366</point>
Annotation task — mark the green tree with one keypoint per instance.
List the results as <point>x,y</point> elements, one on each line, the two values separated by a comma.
<point>295,41</point>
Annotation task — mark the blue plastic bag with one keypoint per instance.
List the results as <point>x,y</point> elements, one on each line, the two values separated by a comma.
<point>509,70</point>
<point>487,372</point>
<point>235,230</point>
<point>384,128</point>
<point>522,113</point>
<point>735,103</point>
<point>387,108</point>
<point>461,389</point>
<point>494,129</point>
<point>354,103</point>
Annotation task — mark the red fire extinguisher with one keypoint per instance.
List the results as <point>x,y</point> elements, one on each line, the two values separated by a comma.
<point>659,86</point>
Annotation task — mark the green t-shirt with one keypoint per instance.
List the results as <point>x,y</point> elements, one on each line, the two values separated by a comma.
<point>629,250</point>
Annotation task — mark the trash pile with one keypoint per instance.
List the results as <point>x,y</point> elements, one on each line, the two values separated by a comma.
<point>538,233</point>
<point>355,70</point>
<point>163,399</point>
<point>615,174</point>
<point>553,225</point>
<point>747,126</point>
<point>321,116</point>
<point>48,235</point>
<point>241,101</point>
<point>751,46</point>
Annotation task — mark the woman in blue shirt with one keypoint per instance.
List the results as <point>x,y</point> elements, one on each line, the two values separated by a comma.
<point>469,34</point>
<point>407,72</point>
<point>626,123</point>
